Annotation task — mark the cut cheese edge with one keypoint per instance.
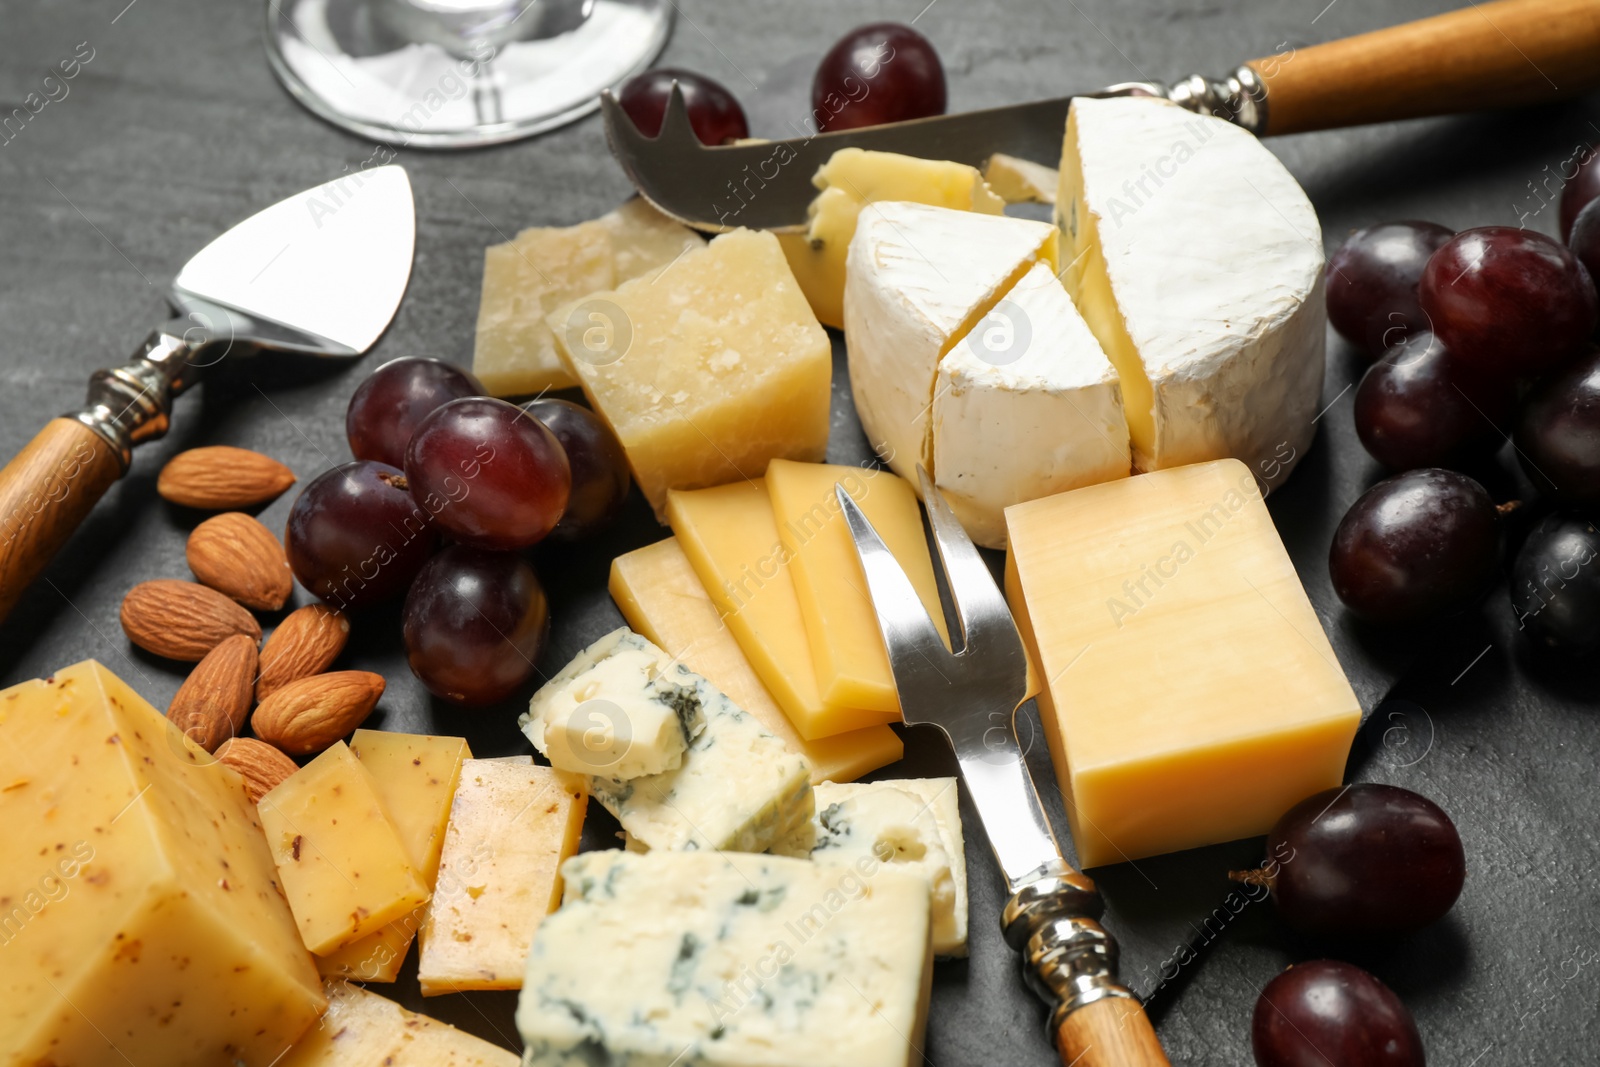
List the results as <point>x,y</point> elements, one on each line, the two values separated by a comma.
<point>1025,405</point>
<point>731,539</point>
<point>917,279</point>
<point>1021,181</point>
<point>363,1029</point>
<point>847,647</point>
<point>1197,261</point>
<point>662,598</point>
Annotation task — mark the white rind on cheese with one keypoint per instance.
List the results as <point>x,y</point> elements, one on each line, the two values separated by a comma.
<point>1025,405</point>
<point>1215,266</point>
<point>738,787</point>
<point>916,278</point>
<point>910,824</point>
<point>728,961</point>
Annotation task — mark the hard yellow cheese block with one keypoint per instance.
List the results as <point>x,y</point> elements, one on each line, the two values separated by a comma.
<point>846,644</point>
<point>1190,695</point>
<point>662,598</point>
<point>645,240</point>
<point>850,180</point>
<point>416,779</point>
<point>140,919</point>
<point>511,826</point>
<point>1021,181</point>
<point>343,866</point>
<point>731,539</point>
<point>707,370</point>
<point>362,1029</point>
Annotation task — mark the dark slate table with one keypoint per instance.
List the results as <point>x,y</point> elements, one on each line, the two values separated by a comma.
<point>174,128</point>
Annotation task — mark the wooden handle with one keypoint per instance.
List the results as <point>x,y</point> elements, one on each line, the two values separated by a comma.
<point>45,492</point>
<point>1113,1032</point>
<point>1484,56</point>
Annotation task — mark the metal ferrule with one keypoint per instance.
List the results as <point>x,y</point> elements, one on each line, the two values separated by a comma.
<point>131,404</point>
<point>1241,98</point>
<point>1068,958</point>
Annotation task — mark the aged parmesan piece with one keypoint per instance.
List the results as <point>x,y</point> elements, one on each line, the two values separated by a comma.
<point>362,1029</point>
<point>730,961</point>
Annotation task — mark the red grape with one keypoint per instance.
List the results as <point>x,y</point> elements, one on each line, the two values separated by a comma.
<point>355,537</point>
<point>599,466</point>
<point>1512,302</point>
<point>1330,1014</point>
<point>1372,283</point>
<point>386,408</point>
<point>1585,240</point>
<point>1558,434</point>
<point>1580,190</point>
<point>1555,584</point>
<point>475,623</point>
<point>1365,861</point>
<point>1418,407</point>
<point>714,112</point>
<point>881,72</point>
<point>1420,544</point>
<point>490,475</point>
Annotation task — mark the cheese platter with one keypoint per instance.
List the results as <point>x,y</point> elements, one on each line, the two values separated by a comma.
<point>608,850</point>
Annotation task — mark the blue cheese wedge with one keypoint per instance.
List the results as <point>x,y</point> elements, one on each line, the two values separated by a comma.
<point>735,787</point>
<point>912,824</point>
<point>728,961</point>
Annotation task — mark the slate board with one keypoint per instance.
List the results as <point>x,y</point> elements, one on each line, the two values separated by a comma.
<point>175,129</point>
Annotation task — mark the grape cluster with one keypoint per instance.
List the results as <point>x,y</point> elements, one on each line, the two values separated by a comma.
<point>1475,336</point>
<point>438,463</point>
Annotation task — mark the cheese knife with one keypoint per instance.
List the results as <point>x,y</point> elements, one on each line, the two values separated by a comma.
<point>972,696</point>
<point>320,273</point>
<point>1488,55</point>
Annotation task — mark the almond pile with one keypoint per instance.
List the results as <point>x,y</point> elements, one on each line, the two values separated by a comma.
<point>300,707</point>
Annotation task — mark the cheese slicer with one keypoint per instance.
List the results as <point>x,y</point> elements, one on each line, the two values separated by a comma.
<point>972,695</point>
<point>320,273</point>
<point>1489,55</point>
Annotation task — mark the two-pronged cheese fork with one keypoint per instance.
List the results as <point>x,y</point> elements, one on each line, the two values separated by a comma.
<point>972,695</point>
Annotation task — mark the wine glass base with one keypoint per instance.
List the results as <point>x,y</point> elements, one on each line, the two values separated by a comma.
<point>342,62</point>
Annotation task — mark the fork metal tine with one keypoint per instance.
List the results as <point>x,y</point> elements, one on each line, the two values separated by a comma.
<point>987,629</point>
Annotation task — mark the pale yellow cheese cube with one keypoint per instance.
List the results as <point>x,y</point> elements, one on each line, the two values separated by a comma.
<point>511,826</point>
<point>731,538</point>
<point>645,240</point>
<point>362,1029</point>
<point>708,370</point>
<point>344,869</point>
<point>1190,695</point>
<point>140,918</point>
<point>662,598</point>
<point>846,644</point>
<point>850,180</point>
<point>1021,181</point>
<point>523,281</point>
<point>416,778</point>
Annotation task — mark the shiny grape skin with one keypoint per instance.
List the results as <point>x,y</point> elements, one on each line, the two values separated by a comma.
<point>714,113</point>
<point>474,625</point>
<point>355,537</point>
<point>1419,407</point>
<point>1555,584</point>
<point>877,73</point>
<point>1372,283</point>
<point>1585,240</point>
<point>1512,302</point>
<point>491,476</point>
<point>1558,434</point>
<point>1325,1013</point>
<point>599,465</point>
<point>1581,189</point>
<point>1365,861</point>
<point>385,409</point>
<point>1418,545</point>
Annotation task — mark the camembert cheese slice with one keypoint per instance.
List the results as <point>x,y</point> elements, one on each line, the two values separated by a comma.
<point>1197,261</point>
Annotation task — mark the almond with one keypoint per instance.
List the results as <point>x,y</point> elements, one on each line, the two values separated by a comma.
<point>213,701</point>
<point>262,766</point>
<point>182,620</point>
<point>219,478</point>
<point>305,643</point>
<point>236,555</point>
<point>308,715</point>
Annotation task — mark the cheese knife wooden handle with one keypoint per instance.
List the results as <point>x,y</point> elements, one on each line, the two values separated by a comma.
<point>1489,55</point>
<point>1109,1033</point>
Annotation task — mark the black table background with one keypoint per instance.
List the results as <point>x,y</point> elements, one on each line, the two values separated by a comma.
<point>175,129</point>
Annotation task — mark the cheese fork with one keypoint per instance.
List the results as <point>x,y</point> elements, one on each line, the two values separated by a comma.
<point>972,695</point>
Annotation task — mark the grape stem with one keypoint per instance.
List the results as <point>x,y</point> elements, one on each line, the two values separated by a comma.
<point>1258,876</point>
<point>1507,508</point>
